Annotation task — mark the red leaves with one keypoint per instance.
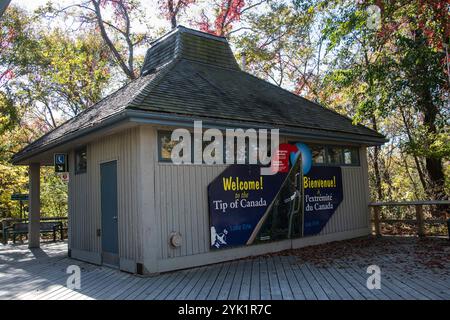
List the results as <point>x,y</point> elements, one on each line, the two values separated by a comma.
<point>434,20</point>
<point>405,253</point>
<point>7,38</point>
<point>119,7</point>
<point>171,8</point>
<point>6,75</point>
<point>228,12</point>
<point>205,25</point>
<point>431,16</point>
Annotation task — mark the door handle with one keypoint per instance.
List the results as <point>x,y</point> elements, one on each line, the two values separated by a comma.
<point>115,218</point>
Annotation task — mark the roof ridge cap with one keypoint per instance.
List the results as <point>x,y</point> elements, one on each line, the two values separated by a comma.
<point>182,29</point>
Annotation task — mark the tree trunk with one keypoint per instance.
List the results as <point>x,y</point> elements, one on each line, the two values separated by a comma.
<point>416,159</point>
<point>376,168</point>
<point>376,164</point>
<point>172,14</point>
<point>128,72</point>
<point>173,21</point>
<point>430,110</point>
<point>433,165</point>
<point>405,162</point>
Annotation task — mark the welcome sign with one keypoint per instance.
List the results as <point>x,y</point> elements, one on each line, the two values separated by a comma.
<point>238,199</point>
<point>246,207</point>
<point>322,187</point>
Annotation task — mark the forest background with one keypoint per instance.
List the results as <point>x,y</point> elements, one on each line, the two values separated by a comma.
<point>384,63</point>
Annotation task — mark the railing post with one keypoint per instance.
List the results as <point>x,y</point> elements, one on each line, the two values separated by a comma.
<point>4,235</point>
<point>419,218</point>
<point>376,220</point>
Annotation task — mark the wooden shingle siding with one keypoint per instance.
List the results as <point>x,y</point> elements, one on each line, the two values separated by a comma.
<point>156,199</point>
<point>182,206</point>
<point>84,202</point>
<point>353,212</point>
<point>207,90</point>
<point>159,54</point>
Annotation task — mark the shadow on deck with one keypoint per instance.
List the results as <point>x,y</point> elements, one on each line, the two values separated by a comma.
<point>411,268</point>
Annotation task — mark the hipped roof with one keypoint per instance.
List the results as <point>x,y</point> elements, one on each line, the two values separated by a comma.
<point>193,75</point>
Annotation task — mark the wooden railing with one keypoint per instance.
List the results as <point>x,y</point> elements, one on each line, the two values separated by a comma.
<point>419,221</point>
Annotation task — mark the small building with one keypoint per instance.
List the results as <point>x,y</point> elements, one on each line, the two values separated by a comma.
<point>131,207</point>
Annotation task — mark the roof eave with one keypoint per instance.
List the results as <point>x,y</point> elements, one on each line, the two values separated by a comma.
<point>170,119</point>
<point>20,157</point>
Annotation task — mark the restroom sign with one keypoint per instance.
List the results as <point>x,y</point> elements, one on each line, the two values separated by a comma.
<point>61,163</point>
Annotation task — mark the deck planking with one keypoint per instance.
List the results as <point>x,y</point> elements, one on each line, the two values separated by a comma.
<point>41,275</point>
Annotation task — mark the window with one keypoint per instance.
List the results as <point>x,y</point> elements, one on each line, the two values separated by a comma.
<point>80,160</point>
<point>334,155</point>
<point>321,155</point>
<point>351,156</point>
<point>240,153</point>
<point>207,143</point>
<point>165,145</point>
<point>318,154</point>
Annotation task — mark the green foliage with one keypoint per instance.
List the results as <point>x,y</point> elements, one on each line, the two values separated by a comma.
<point>73,72</point>
<point>48,76</point>
<point>13,179</point>
<point>54,194</point>
<point>426,144</point>
<point>280,45</point>
<point>8,113</point>
<point>392,78</point>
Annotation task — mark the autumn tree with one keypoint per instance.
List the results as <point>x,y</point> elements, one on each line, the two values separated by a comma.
<point>416,76</point>
<point>280,46</point>
<point>15,43</point>
<point>47,77</point>
<point>171,9</point>
<point>226,13</point>
<point>113,21</point>
<point>395,68</point>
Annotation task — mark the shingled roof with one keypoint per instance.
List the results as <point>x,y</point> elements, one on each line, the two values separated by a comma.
<point>192,74</point>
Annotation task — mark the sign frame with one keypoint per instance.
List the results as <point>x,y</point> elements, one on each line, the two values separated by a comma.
<point>61,162</point>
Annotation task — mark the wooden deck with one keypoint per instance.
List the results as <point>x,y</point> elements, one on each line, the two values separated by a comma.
<point>410,269</point>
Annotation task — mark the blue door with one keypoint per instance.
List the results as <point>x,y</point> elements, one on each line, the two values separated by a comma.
<point>109,232</point>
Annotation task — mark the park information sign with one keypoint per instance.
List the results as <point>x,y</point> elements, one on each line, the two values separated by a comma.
<point>246,207</point>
